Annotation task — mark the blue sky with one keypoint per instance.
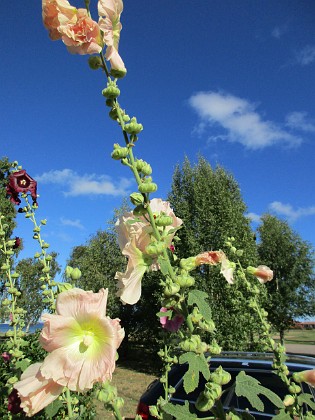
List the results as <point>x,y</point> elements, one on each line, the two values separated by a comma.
<point>232,80</point>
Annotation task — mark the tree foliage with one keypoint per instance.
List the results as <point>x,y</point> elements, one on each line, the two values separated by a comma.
<point>210,203</point>
<point>291,294</point>
<point>32,298</point>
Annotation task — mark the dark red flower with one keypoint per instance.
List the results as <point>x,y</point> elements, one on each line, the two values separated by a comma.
<point>21,182</point>
<point>17,243</point>
<point>6,356</point>
<point>14,402</point>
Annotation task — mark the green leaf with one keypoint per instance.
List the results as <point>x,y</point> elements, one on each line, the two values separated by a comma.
<point>196,364</point>
<point>163,265</point>
<point>23,364</point>
<point>180,412</point>
<point>52,409</point>
<point>199,298</point>
<point>306,399</point>
<point>282,415</point>
<point>250,388</point>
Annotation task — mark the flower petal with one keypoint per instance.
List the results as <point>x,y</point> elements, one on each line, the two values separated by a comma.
<point>75,302</point>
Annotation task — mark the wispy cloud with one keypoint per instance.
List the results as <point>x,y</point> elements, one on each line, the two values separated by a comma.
<point>253,217</point>
<point>73,223</point>
<point>299,120</point>
<point>306,56</point>
<point>279,31</point>
<point>87,184</point>
<point>289,212</point>
<point>241,121</point>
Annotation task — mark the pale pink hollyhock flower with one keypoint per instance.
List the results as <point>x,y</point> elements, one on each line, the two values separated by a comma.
<point>262,272</point>
<point>56,13</point>
<point>133,238</point>
<point>83,36</point>
<point>307,376</point>
<point>35,391</point>
<point>173,324</point>
<point>214,258</point>
<point>109,23</point>
<point>81,340</point>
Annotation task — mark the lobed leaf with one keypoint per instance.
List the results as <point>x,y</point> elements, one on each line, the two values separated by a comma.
<point>199,298</point>
<point>197,364</point>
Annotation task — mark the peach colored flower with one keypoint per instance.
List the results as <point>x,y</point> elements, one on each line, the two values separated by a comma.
<point>56,13</point>
<point>307,376</point>
<point>133,238</point>
<point>81,340</point>
<point>109,23</point>
<point>262,272</point>
<point>214,258</point>
<point>35,391</point>
<point>83,36</point>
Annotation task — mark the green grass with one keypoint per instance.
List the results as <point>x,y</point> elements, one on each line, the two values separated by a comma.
<point>300,337</point>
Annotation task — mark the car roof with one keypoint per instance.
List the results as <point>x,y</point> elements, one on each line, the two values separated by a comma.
<point>260,360</point>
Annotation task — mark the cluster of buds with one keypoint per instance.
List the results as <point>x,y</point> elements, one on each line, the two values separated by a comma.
<point>208,396</point>
<point>108,395</point>
<point>198,319</point>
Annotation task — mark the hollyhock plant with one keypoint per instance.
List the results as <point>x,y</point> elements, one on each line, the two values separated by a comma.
<point>262,272</point>
<point>133,239</point>
<point>57,13</point>
<point>173,324</point>
<point>81,340</point>
<point>34,391</point>
<point>21,182</point>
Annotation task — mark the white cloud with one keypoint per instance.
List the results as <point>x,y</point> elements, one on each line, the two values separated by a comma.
<point>73,223</point>
<point>306,56</point>
<point>289,212</point>
<point>253,217</point>
<point>87,184</point>
<point>243,124</point>
<point>298,120</point>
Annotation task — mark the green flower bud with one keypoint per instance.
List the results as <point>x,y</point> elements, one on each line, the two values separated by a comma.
<point>136,198</point>
<point>43,222</point>
<point>133,127</point>
<point>68,271</point>
<point>12,380</point>
<point>164,220</point>
<point>147,188</point>
<point>208,326</point>
<point>113,114</point>
<point>110,102</point>
<point>5,267</point>
<point>95,62</point>
<point>118,74</point>
<point>48,257</point>
<point>154,411</point>
<point>155,248</point>
<point>75,274</point>
<point>37,255</point>
<point>220,376</point>
<point>185,280</point>
<point>188,264</point>
<point>15,275</point>
<point>119,152</point>
<point>294,388</point>
<point>5,302</point>
<point>119,402</point>
<point>214,347</point>
<point>111,92</point>
<point>288,400</point>
<point>171,289</point>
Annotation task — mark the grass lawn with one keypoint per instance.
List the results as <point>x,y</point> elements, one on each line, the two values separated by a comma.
<point>299,337</point>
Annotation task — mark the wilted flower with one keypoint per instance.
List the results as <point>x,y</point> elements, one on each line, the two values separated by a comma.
<point>6,356</point>
<point>55,14</point>
<point>34,391</point>
<point>14,402</point>
<point>109,22</point>
<point>172,324</point>
<point>133,239</point>
<point>81,339</point>
<point>262,272</point>
<point>17,243</point>
<point>21,182</point>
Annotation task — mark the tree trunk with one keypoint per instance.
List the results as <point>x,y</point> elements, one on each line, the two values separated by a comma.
<point>282,337</point>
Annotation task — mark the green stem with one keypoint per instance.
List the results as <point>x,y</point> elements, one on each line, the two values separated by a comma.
<point>69,405</point>
<point>116,411</point>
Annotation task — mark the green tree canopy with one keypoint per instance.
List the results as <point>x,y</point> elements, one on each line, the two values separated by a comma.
<point>32,298</point>
<point>210,203</point>
<point>291,294</point>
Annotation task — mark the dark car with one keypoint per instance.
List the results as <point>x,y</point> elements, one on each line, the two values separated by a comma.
<point>257,365</point>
